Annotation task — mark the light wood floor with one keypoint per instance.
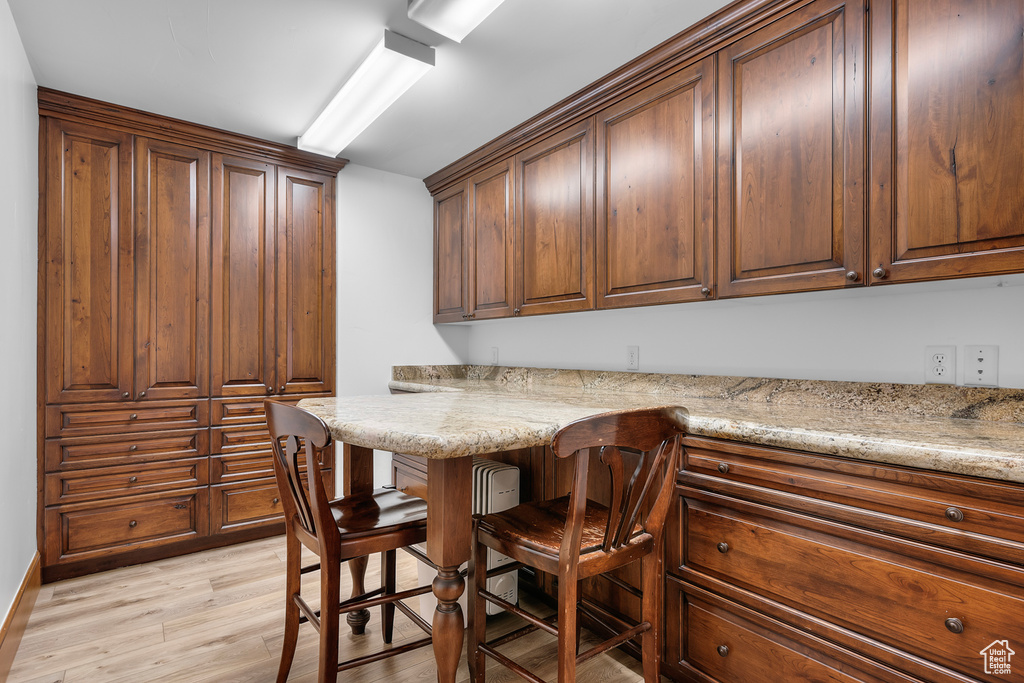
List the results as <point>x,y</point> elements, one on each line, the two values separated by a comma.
<point>218,616</point>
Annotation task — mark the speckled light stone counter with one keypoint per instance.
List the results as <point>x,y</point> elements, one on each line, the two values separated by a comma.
<point>453,411</point>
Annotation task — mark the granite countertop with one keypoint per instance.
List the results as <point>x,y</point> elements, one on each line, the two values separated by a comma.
<point>452,411</point>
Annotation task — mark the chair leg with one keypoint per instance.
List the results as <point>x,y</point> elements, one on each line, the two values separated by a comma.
<point>387,610</point>
<point>568,592</point>
<point>651,611</point>
<point>477,608</point>
<point>293,585</point>
<point>330,622</point>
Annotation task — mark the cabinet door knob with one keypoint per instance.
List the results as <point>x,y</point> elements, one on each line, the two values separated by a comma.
<point>879,272</point>
<point>723,547</point>
<point>852,275</point>
<point>142,394</point>
<point>723,650</point>
<point>706,291</point>
<point>270,390</point>
<point>125,395</point>
<point>276,501</point>
<point>515,311</point>
<point>132,480</point>
<point>954,515</point>
<point>132,524</point>
<point>723,468</point>
<point>954,625</point>
<point>282,388</point>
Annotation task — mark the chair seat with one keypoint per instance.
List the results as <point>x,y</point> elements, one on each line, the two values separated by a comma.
<point>378,511</point>
<point>538,528</point>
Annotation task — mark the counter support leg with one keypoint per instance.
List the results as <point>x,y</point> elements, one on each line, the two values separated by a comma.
<point>357,475</point>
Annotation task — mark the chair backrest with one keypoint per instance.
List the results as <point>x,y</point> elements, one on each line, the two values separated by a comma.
<point>654,437</point>
<point>292,432</point>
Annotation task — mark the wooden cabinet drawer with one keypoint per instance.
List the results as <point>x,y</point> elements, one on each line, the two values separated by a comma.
<point>256,464</point>
<point>102,451</point>
<point>248,438</point>
<point>117,418</point>
<point>226,411</point>
<point>251,503</point>
<point>409,474</point>
<point>125,480</point>
<point>85,531</point>
<point>979,516</point>
<point>712,639</point>
<point>899,593</point>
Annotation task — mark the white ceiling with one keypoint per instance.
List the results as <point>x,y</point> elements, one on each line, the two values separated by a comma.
<point>266,67</point>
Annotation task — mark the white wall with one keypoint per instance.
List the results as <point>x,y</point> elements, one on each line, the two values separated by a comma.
<point>19,185</point>
<point>866,334</point>
<point>385,291</point>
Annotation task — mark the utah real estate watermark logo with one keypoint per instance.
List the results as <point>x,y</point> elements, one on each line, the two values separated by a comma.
<point>997,657</point>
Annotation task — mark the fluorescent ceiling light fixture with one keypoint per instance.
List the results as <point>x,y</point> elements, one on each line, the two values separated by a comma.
<point>453,19</point>
<point>391,68</point>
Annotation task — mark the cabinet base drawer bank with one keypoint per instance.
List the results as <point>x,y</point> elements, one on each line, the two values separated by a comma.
<point>812,541</point>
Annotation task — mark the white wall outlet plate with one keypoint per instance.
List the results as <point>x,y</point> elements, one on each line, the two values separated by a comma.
<point>494,355</point>
<point>981,366</point>
<point>632,357</point>
<point>940,365</point>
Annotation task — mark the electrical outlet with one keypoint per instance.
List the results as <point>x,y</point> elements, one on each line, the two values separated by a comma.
<point>981,366</point>
<point>494,355</point>
<point>940,365</point>
<point>632,357</point>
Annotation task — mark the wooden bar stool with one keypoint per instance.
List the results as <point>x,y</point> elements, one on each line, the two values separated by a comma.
<point>336,531</point>
<point>575,538</point>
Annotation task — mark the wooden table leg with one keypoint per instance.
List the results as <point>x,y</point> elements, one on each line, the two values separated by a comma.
<point>449,527</point>
<point>357,474</point>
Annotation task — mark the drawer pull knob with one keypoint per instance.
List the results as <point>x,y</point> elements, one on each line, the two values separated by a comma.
<point>132,524</point>
<point>276,501</point>
<point>954,515</point>
<point>142,394</point>
<point>132,480</point>
<point>270,390</point>
<point>133,447</point>
<point>723,650</point>
<point>403,488</point>
<point>723,468</point>
<point>705,291</point>
<point>180,506</point>
<point>955,625</point>
<point>282,388</point>
<point>879,272</point>
<point>133,416</point>
<point>125,395</point>
<point>723,547</point>
<point>852,275</point>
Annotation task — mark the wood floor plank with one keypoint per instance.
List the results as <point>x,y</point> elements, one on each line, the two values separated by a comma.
<point>218,617</point>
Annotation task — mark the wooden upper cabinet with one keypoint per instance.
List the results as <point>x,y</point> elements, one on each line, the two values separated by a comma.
<point>451,291</point>
<point>947,147</point>
<point>555,223</point>
<point>87,263</point>
<point>655,192</point>
<point>305,282</point>
<point>490,244</point>
<point>172,271</point>
<point>791,160</point>
<point>242,307</point>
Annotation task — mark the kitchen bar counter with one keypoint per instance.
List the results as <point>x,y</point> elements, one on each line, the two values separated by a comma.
<point>971,431</point>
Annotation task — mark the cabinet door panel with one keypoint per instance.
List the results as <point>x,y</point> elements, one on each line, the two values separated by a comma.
<point>490,246</point>
<point>791,154</point>
<point>555,223</point>
<point>243,277</point>
<point>172,270</point>
<point>655,179</point>
<point>949,111</point>
<point>88,264</point>
<point>305,282</point>
<point>451,295</point>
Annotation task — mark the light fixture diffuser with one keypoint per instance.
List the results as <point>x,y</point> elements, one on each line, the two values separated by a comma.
<point>453,19</point>
<point>391,68</point>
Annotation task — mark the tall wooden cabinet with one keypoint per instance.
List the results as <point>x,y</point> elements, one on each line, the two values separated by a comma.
<point>185,275</point>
